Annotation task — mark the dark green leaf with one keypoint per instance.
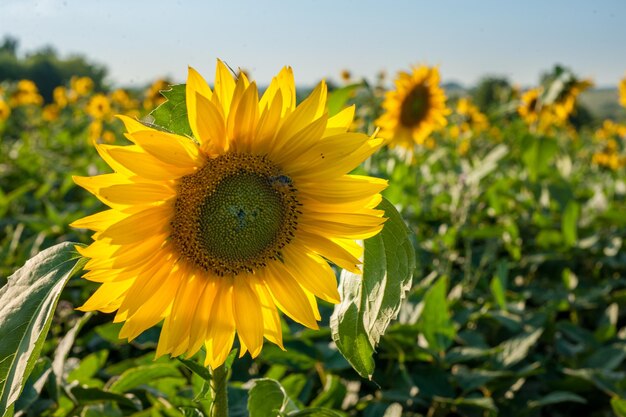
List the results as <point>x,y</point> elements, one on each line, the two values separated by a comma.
<point>555,398</point>
<point>196,368</point>
<point>96,395</point>
<point>141,375</point>
<point>569,223</point>
<point>435,322</point>
<point>27,304</point>
<point>371,301</point>
<point>315,412</point>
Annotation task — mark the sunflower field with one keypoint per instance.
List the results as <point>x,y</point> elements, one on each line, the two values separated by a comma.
<point>368,248</point>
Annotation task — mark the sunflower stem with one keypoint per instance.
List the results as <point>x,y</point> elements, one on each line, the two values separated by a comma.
<point>220,394</point>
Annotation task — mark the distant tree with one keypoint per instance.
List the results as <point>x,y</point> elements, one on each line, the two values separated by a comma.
<point>490,93</point>
<point>46,68</point>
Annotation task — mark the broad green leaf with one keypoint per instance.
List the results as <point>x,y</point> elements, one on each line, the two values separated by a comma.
<point>27,304</point>
<point>555,398</point>
<point>172,114</point>
<point>267,398</point>
<point>338,98</point>
<point>435,322</point>
<point>569,223</point>
<point>141,375</point>
<point>619,406</point>
<point>371,301</point>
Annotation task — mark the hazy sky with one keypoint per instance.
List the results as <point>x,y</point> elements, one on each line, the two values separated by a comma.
<point>140,40</point>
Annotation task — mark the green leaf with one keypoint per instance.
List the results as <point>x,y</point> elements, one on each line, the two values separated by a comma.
<point>96,395</point>
<point>619,406</point>
<point>141,375</point>
<point>64,347</point>
<point>267,398</point>
<point>196,368</point>
<point>338,98</point>
<point>172,114</point>
<point>515,349</point>
<point>371,301</point>
<point>537,155</point>
<point>27,304</point>
<point>315,412</point>
<point>569,223</point>
<point>435,322</point>
<point>557,397</point>
<point>333,394</point>
<point>498,285</point>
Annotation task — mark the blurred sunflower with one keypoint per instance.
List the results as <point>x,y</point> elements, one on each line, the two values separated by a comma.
<point>565,104</point>
<point>59,94</point>
<point>622,92</point>
<point>81,85</point>
<point>528,108</point>
<point>99,106</point>
<point>26,94</point>
<point>211,235</point>
<point>415,109</point>
<point>5,110</point>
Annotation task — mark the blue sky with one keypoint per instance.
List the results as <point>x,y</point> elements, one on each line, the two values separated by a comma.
<point>140,40</point>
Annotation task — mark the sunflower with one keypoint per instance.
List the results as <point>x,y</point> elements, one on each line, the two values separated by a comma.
<point>5,110</point>
<point>214,234</point>
<point>415,109</point>
<point>99,106</point>
<point>622,92</point>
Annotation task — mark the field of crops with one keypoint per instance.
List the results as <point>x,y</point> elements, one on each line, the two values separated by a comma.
<point>497,286</point>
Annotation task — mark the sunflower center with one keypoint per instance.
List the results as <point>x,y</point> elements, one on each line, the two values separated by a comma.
<point>235,214</point>
<point>415,106</point>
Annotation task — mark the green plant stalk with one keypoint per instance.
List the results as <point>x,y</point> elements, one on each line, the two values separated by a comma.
<point>220,395</point>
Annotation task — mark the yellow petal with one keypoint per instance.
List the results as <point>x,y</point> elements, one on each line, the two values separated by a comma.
<point>248,315</point>
<point>272,329</point>
<point>168,148</point>
<point>338,251</point>
<point>138,162</point>
<point>242,127</point>
<point>224,86</point>
<point>313,273</point>
<point>211,126</point>
<point>196,85</point>
<point>221,330</point>
<point>288,295</point>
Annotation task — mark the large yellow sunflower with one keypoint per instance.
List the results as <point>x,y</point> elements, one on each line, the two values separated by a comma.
<point>415,109</point>
<point>212,233</point>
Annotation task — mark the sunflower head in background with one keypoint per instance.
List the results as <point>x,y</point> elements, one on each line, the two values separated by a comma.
<point>414,109</point>
<point>214,234</point>
<point>622,92</point>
